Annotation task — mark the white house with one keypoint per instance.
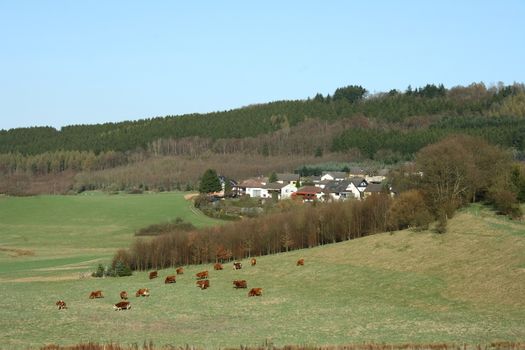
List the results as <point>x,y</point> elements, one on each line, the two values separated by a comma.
<point>286,191</point>
<point>254,187</point>
<point>257,192</point>
<point>334,175</point>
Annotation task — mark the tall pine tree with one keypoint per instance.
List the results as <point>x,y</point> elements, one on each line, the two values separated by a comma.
<point>210,182</point>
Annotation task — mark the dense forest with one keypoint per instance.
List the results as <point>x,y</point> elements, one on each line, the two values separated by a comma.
<point>349,125</point>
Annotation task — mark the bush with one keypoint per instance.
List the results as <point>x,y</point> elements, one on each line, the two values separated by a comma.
<point>122,269</point>
<point>409,210</point>
<point>506,203</point>
<point>99,272</point>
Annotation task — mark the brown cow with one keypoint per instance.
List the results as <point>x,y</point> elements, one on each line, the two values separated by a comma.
<point>124,295</point>
<point>203,284</point>
<point>180,270</point>
<point>202,275</point>
<point>240,284</point>
<point>61,304</point>
<point>143,292</point>
<point>170,279</point>
<point>237,265</point>
<point>217,266</point>
<point>253,261</point>
<point>255,292</point>
<point>153,274</point>
<point>300,262</point>
<point>96,294</point>
<point>123,305</point>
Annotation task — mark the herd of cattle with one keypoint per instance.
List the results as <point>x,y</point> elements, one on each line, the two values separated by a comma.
<point>202,282</point>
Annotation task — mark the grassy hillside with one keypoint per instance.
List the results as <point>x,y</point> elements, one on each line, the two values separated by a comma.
<point>464,286</point>
<point>50,236</point>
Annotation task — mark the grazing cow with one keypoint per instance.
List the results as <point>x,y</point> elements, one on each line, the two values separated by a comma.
<point>255,292</point>
<point>123,305</point>
<point>240,284</point>
<point>300,262</point>
<point>170,279</point>
<point>61,304</point>
<point>124,295</point>
<point>202,275</point>
<point>153,274</point>
<point>237,265</point>
<point>143,292</point>
<point>203,284</point>
<point>253,261</point>
<point>217,266</point>
<point>96,294</point>
<point>180,270</point>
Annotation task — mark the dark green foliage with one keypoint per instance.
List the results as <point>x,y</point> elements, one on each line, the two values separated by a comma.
<point>430,100</point>
<point>517,179</point>
<point>210,182</point>
<point>100,272</point>
<point>318,151</point>
<point>122,269</point>
<point>352,93</point>
<point>272,177</point>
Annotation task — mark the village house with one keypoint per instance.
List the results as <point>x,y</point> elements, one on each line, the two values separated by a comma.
<point>308,193</point>
<point>288,178</point>
<point>373,189</point>
<point>334,175</point>
<point>273,190</point>
<point>288,190</point>
<point>233,185</point>
<point>254,187</point>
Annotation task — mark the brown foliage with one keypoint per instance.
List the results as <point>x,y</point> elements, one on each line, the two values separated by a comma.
<point>302,226</point>
<point>409,210</point>
<point>461,169</point>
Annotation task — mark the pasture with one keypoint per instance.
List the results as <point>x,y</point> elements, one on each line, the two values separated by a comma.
<point>57,237</point>
<point>465,286</point>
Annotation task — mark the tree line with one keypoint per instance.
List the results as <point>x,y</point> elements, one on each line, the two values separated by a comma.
<point>251,121</point>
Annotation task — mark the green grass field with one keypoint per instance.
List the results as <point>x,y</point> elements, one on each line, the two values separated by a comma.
<point>60,236</point>
<point>467,285</point>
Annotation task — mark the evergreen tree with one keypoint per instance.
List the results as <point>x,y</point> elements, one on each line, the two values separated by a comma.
<point>122,269</point>
<point>210,182</point>
<point>272,177</point>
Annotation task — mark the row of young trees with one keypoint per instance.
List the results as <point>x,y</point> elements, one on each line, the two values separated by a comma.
<point>294,228</point>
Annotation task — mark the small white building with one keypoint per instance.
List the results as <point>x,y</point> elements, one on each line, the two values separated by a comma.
<point>286,191</point>
<point>334,175</point>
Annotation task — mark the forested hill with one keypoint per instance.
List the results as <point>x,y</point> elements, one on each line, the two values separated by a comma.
<point>425,112</point>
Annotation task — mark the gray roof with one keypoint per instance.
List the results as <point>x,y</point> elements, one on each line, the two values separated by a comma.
<point>374,188</point>
<point>287,177</point>
<point>357,180</point>
<point>274,186</point>
<point>337,186</point>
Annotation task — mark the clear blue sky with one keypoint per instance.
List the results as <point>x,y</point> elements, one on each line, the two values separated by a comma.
<point>84,62</point>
